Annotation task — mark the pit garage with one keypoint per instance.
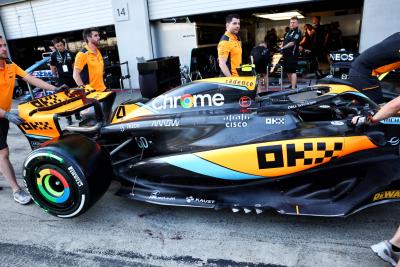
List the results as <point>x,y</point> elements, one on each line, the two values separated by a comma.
<point>194,38</point>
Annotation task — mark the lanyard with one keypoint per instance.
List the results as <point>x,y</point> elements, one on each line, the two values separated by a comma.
<point>64,58</point>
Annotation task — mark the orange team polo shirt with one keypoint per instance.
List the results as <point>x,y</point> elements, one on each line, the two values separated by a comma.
<point>92,68</point>
<point>230,48</point>
<point>7,82</point>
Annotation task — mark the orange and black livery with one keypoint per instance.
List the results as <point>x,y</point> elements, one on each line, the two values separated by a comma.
<point>213,143</point>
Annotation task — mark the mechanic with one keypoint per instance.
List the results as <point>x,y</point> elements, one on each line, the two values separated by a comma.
<point>387,55</point>
<point>89,64</point>
<point>260,57</point>
<point>378,59</point>
<point>61,63</point>
<point>230,47</point>
<point>290,51</point>
<point>8,71</point>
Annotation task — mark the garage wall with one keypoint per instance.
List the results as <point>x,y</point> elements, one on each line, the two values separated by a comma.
<point>379,20</point>
<point>159,9</point>
<point>42,17</point>
<point>1,29</point>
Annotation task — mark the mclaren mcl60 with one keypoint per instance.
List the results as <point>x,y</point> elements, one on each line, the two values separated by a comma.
<point>213,143</point>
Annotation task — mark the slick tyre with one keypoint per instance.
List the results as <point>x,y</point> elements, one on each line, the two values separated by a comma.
<point>67,176</point>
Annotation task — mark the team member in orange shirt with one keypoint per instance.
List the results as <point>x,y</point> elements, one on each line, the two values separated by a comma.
<point>230,47</point>
<point>8,71</point>
<point>89,65</point>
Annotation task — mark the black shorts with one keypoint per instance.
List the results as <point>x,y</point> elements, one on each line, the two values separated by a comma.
<point>367,84</point>
<point>4,126</point>
<point>290,64</point>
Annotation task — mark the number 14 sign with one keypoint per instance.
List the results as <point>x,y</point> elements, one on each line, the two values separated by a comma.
<point>121,12</point>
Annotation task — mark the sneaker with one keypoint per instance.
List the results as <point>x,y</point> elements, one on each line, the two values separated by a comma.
<point>290,87</point>
<point>385,252</point>
<point>22,197</point>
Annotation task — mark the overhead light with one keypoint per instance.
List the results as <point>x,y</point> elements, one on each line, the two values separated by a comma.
<point>281,16</point>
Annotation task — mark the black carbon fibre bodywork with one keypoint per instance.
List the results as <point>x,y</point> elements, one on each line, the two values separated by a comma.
<point>217,144</point>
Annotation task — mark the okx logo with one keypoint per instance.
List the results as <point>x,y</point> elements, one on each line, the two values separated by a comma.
<point>295,155</point>
<point>188,101</point>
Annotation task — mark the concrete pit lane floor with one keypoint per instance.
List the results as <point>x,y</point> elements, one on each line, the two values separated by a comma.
<point>121,232</point>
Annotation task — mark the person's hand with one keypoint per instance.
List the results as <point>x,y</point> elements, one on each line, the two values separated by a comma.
<point>14,118</point>
<point>361,120</point>
<point>62,88</point>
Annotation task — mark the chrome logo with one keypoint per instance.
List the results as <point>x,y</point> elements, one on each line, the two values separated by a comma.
<point>186,101</point>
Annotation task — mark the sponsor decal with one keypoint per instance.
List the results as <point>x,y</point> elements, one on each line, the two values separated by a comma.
<point>302,104</point>
<point>165,123</point>
<point>128,126</point>
<point>274,120</point>
<point>386,195</point>
<point>36,126</point>
<point>236,121</point>
<point>276,156</point>
<point>325,106</point>
<point>35,144</point>
<point>342,57</point>
<point>142,142</point>
<point>75,175</point>
<point>391,120</point>
<point>191,199</point>
<point>50,100</point>
<point>188,101</point>
<point>245,101</point>
<point>46,101</point>
<point>394,141</point>
<point>238,82</point>
<point>156,195</point>
<point>337,123</point>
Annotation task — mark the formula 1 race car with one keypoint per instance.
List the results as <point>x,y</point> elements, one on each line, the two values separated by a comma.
<point>213,143</point>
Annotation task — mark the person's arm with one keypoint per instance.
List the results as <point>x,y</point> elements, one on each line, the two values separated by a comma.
<point>388,110</point>
<point>53,70</point>
<point>11,117</point>
<point>303,41</point>
<point>288,45</point>
<point>77,76</point>
<point>2,113</point>
<point>53,61</point>
<point>223,54</point>
<point>38,82</point>
<point>224,68</point>
<point>80,61</point>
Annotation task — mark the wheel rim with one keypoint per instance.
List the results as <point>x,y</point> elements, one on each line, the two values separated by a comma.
<point>53,186</point>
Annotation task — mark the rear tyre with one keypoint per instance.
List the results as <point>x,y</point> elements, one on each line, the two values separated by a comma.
<point>68,175</point>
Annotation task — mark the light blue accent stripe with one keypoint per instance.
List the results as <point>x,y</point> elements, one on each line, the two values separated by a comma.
<point>196,164</point>
<point>38,136</point>
<point>391,120</point>
<point>146,107</point>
